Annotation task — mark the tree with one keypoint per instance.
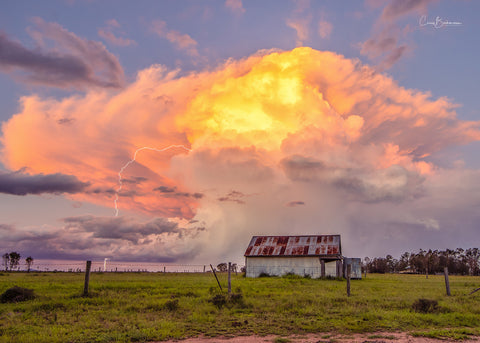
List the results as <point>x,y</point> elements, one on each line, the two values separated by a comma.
<point>403,262</point>
<point>14,259</point>
<point>223,267</point>
<point>367,261</point>
<point>472,257</point>
<point>6,260</point>
<point>29,262</point>
<point>233,267</point>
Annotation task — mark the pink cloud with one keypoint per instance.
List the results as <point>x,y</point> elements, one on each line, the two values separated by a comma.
<point>235,6</point>
<point>180,41</point>
<point>300,25</point>
<point>300,21</point>
<point>107,34</point>
<point>324,29</point>
<point>385,46</point>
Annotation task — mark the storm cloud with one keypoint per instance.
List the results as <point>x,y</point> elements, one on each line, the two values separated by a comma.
<point>120,227</point>
<point>170,192</point>
<point>19,183</point>
<point>71,61</point>
<point>87,237</point>
<point>273,129</point>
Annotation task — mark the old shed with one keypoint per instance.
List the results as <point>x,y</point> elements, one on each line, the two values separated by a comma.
<point>313,255</point>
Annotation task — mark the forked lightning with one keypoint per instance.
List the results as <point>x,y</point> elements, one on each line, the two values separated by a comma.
<point>120,182</point>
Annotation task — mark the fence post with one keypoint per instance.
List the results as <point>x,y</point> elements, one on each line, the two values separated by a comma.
<point>215,274</point>
<point>204,268</point>
<point>229,277</point>
<point>447,282</point>
<point>349,268</point>
<point>87,278</point>
<point>339,269</point>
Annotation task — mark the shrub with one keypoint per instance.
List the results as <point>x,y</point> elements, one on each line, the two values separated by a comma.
<point>172,305</point>
<point>17,294</point>
<point>234,299</point>
<point>219,300</point>
<point>425,306</point>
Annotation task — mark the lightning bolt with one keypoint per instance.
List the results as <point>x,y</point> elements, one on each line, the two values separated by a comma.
<point>120,182</point>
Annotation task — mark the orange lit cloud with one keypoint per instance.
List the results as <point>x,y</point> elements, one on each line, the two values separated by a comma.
<point>300,25</point>
<point>300,21</point>
<point>296,127</point>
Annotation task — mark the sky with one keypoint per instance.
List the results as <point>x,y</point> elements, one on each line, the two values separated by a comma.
<point>173,131</point>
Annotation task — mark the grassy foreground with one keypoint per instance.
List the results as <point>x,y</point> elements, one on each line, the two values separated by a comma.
<point>138,307</point>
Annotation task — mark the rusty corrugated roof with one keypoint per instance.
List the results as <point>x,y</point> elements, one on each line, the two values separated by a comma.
<point>315,245</point>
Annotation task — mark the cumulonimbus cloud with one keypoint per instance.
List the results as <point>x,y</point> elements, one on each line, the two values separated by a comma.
<point>301,124</point>
<point>71,62</point>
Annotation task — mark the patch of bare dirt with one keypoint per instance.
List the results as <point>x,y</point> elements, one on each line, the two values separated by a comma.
<point>382,337</point>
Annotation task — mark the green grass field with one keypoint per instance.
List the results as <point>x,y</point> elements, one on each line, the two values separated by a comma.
<point>139,307</point>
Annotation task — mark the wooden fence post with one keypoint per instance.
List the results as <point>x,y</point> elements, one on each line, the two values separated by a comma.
<point>349,268</point>
<point>229,277</point>
<point>215,274</point>
<point>447,282</point>
<point>339,268</point>
<point>87,278</point>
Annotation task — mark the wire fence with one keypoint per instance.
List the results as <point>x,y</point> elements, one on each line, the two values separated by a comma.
<point>112,266</point>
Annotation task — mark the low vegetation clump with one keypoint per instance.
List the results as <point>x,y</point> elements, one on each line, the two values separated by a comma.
<point>425,306</point>
<point>17,294</point>
<point>143,307</point>
<point>220,299</point>
<point>172,305</point>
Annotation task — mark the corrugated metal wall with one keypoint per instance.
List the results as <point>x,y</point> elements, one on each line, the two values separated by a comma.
<point>356,267</point>
<point>279,266</point>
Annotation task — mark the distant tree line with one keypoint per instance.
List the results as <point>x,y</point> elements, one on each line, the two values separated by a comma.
<point>11,261</point>
<point>223,267</point>
<point>458,261</point>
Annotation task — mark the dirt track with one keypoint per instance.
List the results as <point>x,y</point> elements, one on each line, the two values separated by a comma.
<point>324,338</point>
